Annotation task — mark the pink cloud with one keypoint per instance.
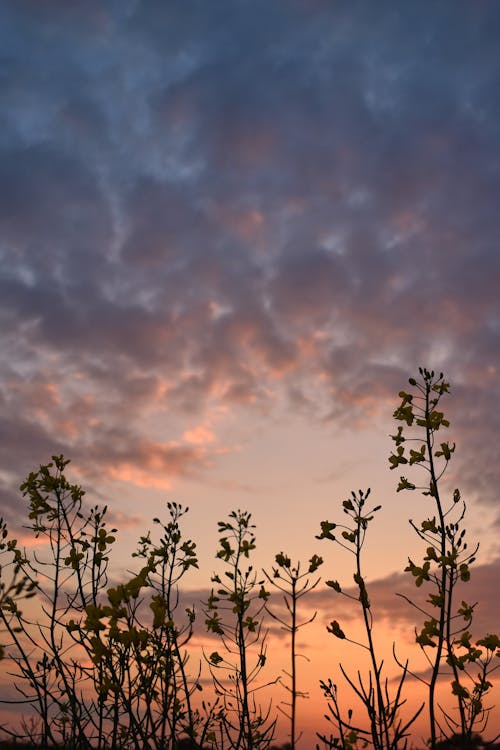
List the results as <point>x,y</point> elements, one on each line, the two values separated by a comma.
<point>199,435</point>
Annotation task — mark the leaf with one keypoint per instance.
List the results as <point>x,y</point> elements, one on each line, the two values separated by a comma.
<point>335,585</point>
<point>405,414</point>
<point>445,451</point>
<point>407,398</point>
<point>326,529</point>
<point>466,611</point>
<point>398,458</point>
<point>464,572</point>
<point>350,536</point>
<point>420,574</point>
<point>404,484</point>
<point>335,629</point>
<point>417,457</point>
<point>398,438</point>
<point>213,624</point>
<point>435,599</point>
<point>431,554</point>
<point>423,640</point>
<point>458,689</point>
<point>264,594</point>
<point>441,388</point>
<point>158,606</point>
<point>246,547</point>
<point>283,560</point>
<point>250,623</point>
<point>490,642</point>
<point>430,525</point>
<point>465,639</point>
<point>314,563</point>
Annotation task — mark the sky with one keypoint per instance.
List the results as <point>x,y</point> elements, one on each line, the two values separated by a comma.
<point>229,233</point>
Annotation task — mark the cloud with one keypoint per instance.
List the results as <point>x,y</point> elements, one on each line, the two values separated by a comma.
<point>224,207</point>
<point>390,599</point>
<point>199,435</point>
<point>148,463</point>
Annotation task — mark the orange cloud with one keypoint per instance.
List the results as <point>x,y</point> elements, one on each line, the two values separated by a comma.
<point>151,464</point>
<point>199,435</point>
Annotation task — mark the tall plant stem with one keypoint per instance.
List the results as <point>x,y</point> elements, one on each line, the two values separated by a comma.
<point>429,440</point>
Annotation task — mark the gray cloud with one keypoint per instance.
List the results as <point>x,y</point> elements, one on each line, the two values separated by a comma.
<point>389,601</point>
<point>220,197</point>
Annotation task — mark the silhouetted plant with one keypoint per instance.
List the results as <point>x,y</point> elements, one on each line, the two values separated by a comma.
<point>386,729</point>
<point>107,667</point>
<point>444,638</point>
<point>70,576</point>
<point>14,583</point>
<point>144,661</point>
<point>102,668</point>
<point>458,742</point>
<point>234,612</point>
<point>164,669</point>
<point>294,585</point>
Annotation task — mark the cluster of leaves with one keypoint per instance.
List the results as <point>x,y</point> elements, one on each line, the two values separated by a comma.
<point>106,666</point>
<point>386,728</point>
<point>15,584</point>
<point>101,666</point>
<point>444,637</point>
<point>234,612</point>
<point>293,585</point>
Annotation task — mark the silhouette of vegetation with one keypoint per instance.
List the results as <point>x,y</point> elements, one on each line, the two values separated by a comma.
<point>386,728</point>
<point>103,664</point>
<point>293,586</point>
<point>235,613</point>
<point>445,637</point>
<point>459,742</point>
<point>14,584</point>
